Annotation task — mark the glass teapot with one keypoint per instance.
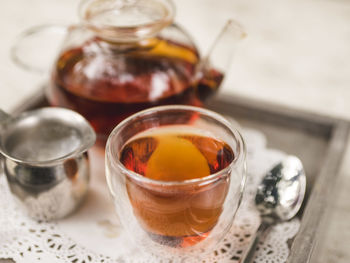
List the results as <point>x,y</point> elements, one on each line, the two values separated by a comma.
<point>128,55</point>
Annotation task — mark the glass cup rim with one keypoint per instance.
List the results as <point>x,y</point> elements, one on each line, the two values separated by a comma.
<point>116,163</point>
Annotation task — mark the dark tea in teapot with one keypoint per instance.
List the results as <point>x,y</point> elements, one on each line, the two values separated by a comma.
<point>119,80</point>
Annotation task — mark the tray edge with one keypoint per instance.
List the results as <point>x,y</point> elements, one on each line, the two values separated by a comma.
<point>311,222</point>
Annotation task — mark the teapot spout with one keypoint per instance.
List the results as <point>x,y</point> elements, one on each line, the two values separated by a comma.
<point>211,70</point>
<point>224,46</point>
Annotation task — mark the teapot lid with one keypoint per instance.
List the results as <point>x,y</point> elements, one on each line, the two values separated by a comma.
<point>126,20</point>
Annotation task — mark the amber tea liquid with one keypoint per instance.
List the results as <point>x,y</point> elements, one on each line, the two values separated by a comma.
<point>179,214</point>
<point>108,86</point>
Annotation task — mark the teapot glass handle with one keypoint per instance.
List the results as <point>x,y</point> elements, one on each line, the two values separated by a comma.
<point>36,48</point>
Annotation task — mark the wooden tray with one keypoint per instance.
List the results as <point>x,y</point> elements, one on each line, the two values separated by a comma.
<point>318,141</point>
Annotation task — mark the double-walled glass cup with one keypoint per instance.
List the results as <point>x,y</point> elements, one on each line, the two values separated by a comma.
<point>180,218</point>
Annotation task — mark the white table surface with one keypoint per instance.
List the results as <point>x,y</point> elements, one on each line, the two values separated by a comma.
<point>297,54</point>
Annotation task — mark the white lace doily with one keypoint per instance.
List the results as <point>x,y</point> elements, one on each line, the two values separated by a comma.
<point>93,233</point>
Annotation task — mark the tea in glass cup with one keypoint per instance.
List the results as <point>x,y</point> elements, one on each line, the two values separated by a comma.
<point>176,174</point>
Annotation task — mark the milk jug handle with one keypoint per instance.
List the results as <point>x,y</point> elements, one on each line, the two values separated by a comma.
<point>3,117</point>
<point>36,48</point>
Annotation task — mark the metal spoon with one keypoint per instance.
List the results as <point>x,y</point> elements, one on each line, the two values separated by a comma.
<point>278,198</point>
